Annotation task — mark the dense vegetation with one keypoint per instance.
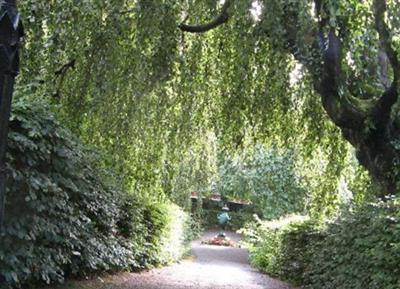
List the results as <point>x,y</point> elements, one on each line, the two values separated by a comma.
<point>292,105</point>
<point>361,249</point>
<point>65,216</point>
<point>163,104</point>
<point>265,178</point>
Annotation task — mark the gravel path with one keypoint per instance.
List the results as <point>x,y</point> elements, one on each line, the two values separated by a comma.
<point>212,267</point>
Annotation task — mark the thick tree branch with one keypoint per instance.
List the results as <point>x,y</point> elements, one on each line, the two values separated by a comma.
<point>385,37</point>
<point>222,18</point>
<point>383,66</point>
<point>344,111</point>
<point>390,96</point>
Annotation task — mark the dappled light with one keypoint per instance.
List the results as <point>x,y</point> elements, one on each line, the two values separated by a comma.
<point>256,10</point>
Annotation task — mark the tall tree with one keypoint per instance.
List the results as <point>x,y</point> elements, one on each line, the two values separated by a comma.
<point>358,83</point>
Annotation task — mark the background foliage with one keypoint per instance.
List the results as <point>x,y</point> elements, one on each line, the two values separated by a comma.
<point>162,105</point>
<point>266,178</point>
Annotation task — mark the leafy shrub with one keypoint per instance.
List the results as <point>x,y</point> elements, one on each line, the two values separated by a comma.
<point>159,231</point>
<point>359,250</point>
<point>209,218</point>
<point>63,218</point>
<point>60,217</point>
<point>240,218</point>
<point>174,232</point>
<point>281,247</point>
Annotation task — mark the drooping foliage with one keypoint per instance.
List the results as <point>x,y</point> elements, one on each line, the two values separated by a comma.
<point>265,178</point>
<point>161,105</point>
<point>353,66</point>
<point>149,95</point>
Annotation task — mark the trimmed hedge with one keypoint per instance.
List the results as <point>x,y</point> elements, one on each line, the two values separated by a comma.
<point>281,247</point>
<point>62,216</point>
<point>159,232</point>
<point>359,250</point>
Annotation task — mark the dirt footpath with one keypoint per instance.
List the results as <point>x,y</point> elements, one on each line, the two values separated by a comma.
<point>212,267</point>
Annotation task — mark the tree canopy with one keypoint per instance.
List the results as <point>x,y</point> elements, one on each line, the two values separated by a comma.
<point>353,65</point>
<point>289,74</point>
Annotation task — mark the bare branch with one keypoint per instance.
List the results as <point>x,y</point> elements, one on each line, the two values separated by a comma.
<point>61,73</point>
<point>65,67</point>
<point>222,18</point>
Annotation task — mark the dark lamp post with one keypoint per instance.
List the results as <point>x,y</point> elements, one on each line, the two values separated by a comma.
<point>11,32</point>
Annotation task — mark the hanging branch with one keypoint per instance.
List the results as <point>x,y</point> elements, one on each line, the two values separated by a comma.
<point>62,72</point>
<point>222,18</point>
<point>65,67</point>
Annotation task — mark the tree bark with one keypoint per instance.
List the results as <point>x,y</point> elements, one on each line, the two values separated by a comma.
<point>10,33</point>
<point>222,18</point>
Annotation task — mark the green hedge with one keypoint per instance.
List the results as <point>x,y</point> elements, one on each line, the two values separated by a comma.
<point>62,216</point>
<point>359,250</point>
<point>281,247</point>
<point>362,250</point>
<point>159,231</point>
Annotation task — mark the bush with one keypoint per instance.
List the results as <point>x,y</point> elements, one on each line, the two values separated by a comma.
<point>170,232</point>
<point>209,218</point>
<point>160,232</point>
<point>359,250</point>
<point>63,218</point>
<point>240,218</point>
<point>60,216</point>
<point>281,247</point>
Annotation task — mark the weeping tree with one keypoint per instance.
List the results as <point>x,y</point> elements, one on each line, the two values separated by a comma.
<point>148,93</point>
<point>350,51</point>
